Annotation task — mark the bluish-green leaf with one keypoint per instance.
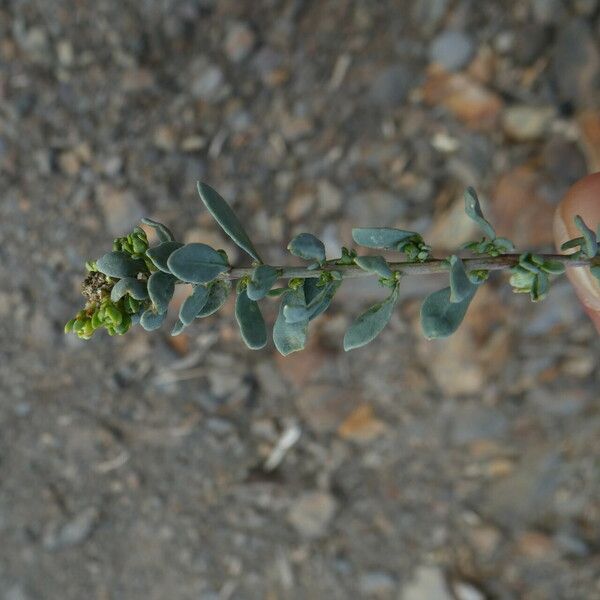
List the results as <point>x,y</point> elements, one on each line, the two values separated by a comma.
<point>162,231</point>
<point>573,243</point>
<point>178,327</point>
<point>120,264</point>
<point>290,337</point>
<point>460,284</point>
<point>473,210</point>
<point>193,304</point>
<point>129,285</point>
<point>591,244</point>
<point>307,246</point>
<point>440,317</point>
<point>504,244</point>
<point>160,254</point>
<point>380,237</point>
<point>371,323</point>
<point>160,288</point>
<point>196,263</point>
<point>227,219</point>
<point>251,322</point>
<point>318,298</point>
<point>540,287</point>
<point>553,267</point>
<point>152,320</point>
<point>263,278</point>
<point>217,296</point>
<point>374,264</point>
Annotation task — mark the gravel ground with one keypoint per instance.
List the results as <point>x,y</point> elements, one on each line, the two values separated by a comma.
<point>147,467</point>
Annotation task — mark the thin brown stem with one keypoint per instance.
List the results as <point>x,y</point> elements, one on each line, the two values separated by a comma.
<point>435,265</point>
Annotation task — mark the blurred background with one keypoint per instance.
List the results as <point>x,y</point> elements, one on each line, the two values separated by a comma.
<point>150,467</point>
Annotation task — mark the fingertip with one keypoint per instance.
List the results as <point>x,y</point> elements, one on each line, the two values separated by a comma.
<point>583,199</point>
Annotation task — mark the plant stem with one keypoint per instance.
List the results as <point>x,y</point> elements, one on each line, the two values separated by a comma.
<point>505,261</point>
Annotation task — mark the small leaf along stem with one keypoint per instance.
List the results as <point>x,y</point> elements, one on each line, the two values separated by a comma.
<point>497,263</point>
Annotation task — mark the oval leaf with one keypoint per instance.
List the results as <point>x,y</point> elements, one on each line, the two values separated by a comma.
<point>193,304</point>
<point>120,264</point>
<point>307,246</point>
<point>374,264</point>
<point>162,231</point>
<point>460,284</point>
<point>128,285</point>
<point>152,320</point>
<point>217,296</point>
<point>591,244</point>
<point>160,288</point>
<point>371,323</point>
<point>197,263</point>
<point>318,298</point>
<point>290,337</point>
<point>226,218</point>
<point>380,237</point>
<point>473,210</point>
<point>160,254</point>
<point>251,322</point>
<point>440,317</point>
<point>263,278</point>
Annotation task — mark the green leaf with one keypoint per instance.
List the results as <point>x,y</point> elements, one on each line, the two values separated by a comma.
<point>162,231</point>
<point>263,278</point>
<point>573,243</point>
<point>290,337</point>
<point>120,264</point>
<point>161,287</point>
<point>381,237</point>
<point>193,304</point>
<point>128,285</point>
<point>160,254</point>
<point>374,264</point>
<point>440,317</point>
<point>540,287</point>
<point>196,263</point>
<point>596,272</point>
<point>276,292</point>
<point>503,244</point>
<point>178,328</point>
<point>460,284</point>
<point>553,267</point>
<point>307,246</point>
<point>371,323</point>
<point>319,298</point>
<point>217,296</point>
<point>152,320</point>
<point>591,244</point>
<point>251,322</point>
<point>226,218</point>
<point>473,210</point>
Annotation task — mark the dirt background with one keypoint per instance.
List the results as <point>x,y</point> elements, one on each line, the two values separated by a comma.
<point>138,467</point>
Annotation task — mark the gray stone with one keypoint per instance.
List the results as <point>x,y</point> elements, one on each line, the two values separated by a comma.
<point>547,11</point>
<point>239,42</point>
<point>312,513</point>
<point>377,583</point>
<point>527,123</point>
<point>577,64</point>
<point>73,532</point>
<point>473,423</point>
<point>208,84</point>
<point>121,209</point>
<point>428,14</point>
<point>391,86</point>
<point>428,584</point>
<point>452,50</point>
